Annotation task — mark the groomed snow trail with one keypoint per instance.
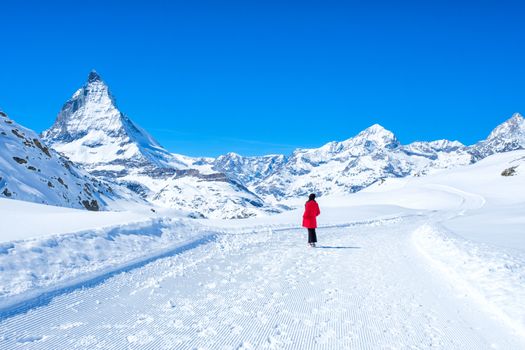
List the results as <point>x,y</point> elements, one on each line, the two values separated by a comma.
<point>365,287</point>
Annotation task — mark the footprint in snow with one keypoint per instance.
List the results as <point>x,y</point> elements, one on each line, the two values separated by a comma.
<point>30,339</point>
<point>245,346</point>
<point>144,319</point>
<point>140,338</point>
<point>67,326</point>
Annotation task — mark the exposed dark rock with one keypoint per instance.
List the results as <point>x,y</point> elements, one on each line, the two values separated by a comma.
<point>92,206</point>
<point>50,184</point>
<point>62,182</point>
<point>6,192</point>
<point>196,215</point>
<point>17,133</point>
<point>509,171</point>
<point>42,148</point>
<point>94,76</point>
<point>31,168</point>
<point>20,160</point>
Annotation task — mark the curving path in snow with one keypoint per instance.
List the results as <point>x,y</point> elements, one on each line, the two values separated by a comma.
<point>365,287</point>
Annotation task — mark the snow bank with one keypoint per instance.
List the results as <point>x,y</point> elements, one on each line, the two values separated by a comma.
<point>491,275</point>
<point>32,266</point>
<point>22,220</point>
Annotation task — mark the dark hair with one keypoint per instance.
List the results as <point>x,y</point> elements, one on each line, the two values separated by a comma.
<point>311,197</point>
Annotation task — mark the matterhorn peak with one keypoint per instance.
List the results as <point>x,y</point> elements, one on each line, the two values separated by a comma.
<point>90,108</point>
<point>517,117</point>
<point>93,76</point>
<point>90,129</point>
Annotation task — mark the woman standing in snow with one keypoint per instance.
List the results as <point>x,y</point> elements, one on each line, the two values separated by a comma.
<point>311,211</point>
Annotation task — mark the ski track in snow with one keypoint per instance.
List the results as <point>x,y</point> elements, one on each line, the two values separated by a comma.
<point>365,287</point>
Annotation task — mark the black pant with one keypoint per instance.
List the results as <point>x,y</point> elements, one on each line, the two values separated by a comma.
<point>312,237</point>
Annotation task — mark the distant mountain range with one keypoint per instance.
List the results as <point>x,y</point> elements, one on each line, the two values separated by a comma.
<point>103,150</point>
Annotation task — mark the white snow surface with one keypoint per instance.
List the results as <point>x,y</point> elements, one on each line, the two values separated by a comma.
<point>433,262</point>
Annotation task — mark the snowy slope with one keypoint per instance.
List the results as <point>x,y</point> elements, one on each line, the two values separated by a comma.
<point>31,171</point>
<point>479,189</point>
<point>211,196</point>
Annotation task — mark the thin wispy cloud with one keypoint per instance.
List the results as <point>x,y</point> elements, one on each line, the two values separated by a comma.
<point>226,139</point>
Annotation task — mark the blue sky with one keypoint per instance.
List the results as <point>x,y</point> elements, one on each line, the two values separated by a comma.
<point>259,77</point>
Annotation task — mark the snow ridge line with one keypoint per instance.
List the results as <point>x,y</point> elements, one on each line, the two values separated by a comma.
<point>32,299</point>
<point>488,274</point>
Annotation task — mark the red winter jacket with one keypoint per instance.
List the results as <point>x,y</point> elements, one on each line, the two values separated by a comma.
<point>311,211</point>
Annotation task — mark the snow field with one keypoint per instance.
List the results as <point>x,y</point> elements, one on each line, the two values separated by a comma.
<point>491,275</point>
<point>25,220</point>
<point>365,287</point>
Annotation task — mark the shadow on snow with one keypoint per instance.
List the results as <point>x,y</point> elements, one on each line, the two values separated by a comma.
<point>335,247</point>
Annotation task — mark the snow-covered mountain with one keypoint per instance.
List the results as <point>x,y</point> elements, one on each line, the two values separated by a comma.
<point>353,164</point>
<point>92,132</point>
<point>356,163</point>
<point>31,171</point>
<point>508,136</point>
<point>248,170</point>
